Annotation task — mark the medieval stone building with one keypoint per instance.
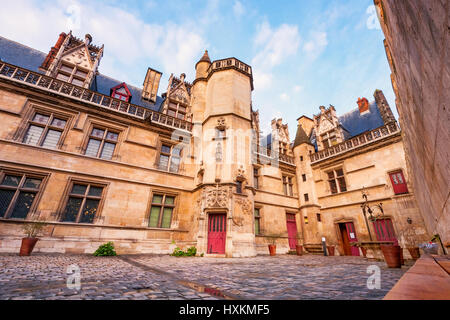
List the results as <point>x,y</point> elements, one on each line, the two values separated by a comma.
<point>101,160</point>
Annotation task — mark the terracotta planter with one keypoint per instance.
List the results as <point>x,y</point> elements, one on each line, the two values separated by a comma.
<point>364,252</point>
<point>402,260</point>
<point>299,249</point>
<point>272,249</point>
<point>414,252</point>
<point>392,255</point>
<point>330,250</point>
<point>27,246</point>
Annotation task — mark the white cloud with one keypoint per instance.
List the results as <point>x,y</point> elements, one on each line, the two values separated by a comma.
<point>238,9</point>
<point>297,88</point>
<point>274,45</point>
<point>173,47</point>
<point>284,97</point>
<point>317,43</point>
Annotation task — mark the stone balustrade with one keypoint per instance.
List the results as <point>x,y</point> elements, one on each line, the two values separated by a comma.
<point>356,142</point>
<point>69,90</point>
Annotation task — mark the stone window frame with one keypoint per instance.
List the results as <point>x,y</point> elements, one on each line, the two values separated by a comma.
<point>4,171</point>
<point>172,144</point>
<point>260,218</point>
<point>336,178</point>
<point>288,184</point>
<point>73,75</point>
<point>176,109</point>
<point>27,120</point>
<point>256,178</point>
<point>107,127</point>
<point>67,194</point>
<point>402,171</point>
<point>175,206</point>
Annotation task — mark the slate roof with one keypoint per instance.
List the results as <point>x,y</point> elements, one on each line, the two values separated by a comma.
<point>301,137</point>
<point>354,123</point>
<point>20,55</point>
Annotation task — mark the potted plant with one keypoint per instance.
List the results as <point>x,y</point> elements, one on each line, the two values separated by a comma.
<point>392,255</point>
<point>299,249</point>
<point>31,230</point>
<point>273,246</point>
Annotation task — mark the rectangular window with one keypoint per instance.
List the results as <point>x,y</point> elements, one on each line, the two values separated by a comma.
<point>306,197</point>
<point>238,186</point>
<point>170,158</point>
<point>161,211</point>
<point>256,178</point>
<point>336,181</point>
<point>72,74</point>
<point>257,221</point>
<point>319,218</point>
<point>398,182</point>
<point>288,186</point>
<point>102,143</point>
<point>45,130</point>
<point>176,110</point>
<point>17,194</point>
<point>304,177</point>
<point>301,158</point>
<point>82,203</point>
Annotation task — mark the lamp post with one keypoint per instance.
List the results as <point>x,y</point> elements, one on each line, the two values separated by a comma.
<point>370,210</point>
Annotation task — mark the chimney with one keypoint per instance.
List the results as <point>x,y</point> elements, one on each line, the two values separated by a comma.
<point>53,52</point>
<point>151,85</point>
<point>363,105</point>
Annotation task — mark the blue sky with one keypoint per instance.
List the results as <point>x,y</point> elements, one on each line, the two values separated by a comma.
<point>304,53</point>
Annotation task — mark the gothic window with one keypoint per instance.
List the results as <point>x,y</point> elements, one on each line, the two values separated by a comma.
<point>161,211</point>
<point>102,143</point>
<point>121,92</point>
<point>83,202</point>
<point>177,110</point>
<point>45,130</point>
<point>18,193</point>
<point>336,181</point>
<point>288,186</point>
<point>257,221</point>
<point>398,182</point>
<point>72,74</point>
<point>169,158</point>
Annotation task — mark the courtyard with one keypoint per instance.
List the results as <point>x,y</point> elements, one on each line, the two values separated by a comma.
<point>163,277</point>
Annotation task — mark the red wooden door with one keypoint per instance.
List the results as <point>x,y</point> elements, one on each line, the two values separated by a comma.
<point>384,230</point>
<point>351,233</point>
<point>217,226</point>
<point>292,230</point>
<point>398,182</point>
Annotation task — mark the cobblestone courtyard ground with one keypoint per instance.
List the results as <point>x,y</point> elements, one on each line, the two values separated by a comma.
<point>165,277</point>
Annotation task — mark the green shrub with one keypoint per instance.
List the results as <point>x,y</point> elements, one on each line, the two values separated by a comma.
<point>190,252</point>
<point>105,250</point>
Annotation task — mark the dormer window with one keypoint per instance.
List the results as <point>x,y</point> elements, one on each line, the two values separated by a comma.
<point>121,92</point>
<point>177,110</point>
<point>72,74</point>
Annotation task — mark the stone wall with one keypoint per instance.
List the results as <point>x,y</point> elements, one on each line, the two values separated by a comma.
<point>417,47</point>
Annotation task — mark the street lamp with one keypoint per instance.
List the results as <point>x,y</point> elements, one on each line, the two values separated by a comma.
<point>371,211</point>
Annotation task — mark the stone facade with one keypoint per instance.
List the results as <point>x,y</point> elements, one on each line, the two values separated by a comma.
<point>100,160</point>
<point>417,47</point>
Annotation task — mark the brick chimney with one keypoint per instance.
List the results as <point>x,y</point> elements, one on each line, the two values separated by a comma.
<point>53,52</point>
<point>363,105</point>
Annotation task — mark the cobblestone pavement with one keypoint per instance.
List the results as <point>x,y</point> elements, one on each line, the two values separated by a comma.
<point>165,277</point>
